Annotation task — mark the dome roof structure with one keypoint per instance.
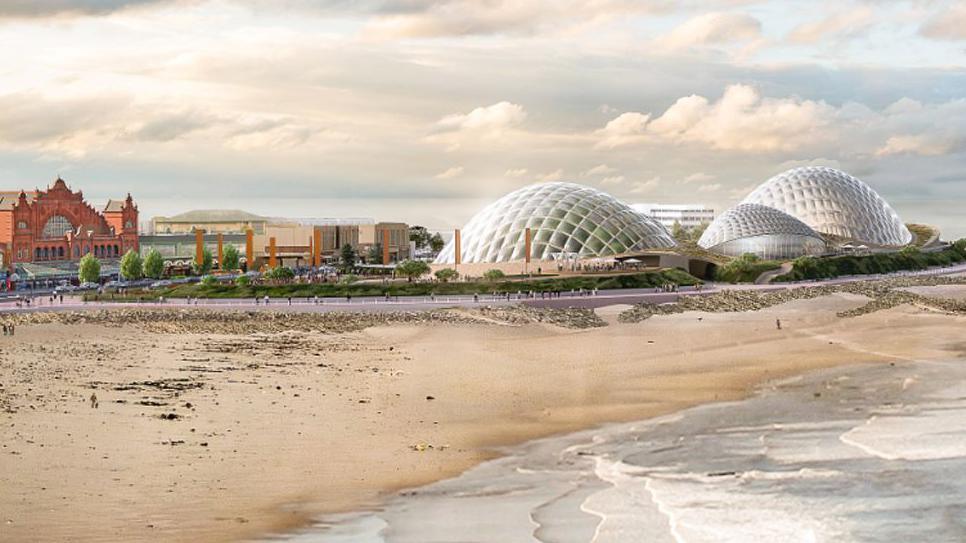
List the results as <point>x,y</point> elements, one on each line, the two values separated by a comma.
<point>834,203</point>
<point>564,219</point>
<point>761,230</point>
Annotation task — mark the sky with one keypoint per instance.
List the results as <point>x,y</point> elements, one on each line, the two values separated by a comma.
<point>425,110</point>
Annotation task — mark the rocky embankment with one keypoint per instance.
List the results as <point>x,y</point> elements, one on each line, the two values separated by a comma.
<point>882,294</point>
<point>170,320</point>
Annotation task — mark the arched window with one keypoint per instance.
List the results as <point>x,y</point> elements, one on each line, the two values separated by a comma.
<point>46,253</point>
<point>76,251</point>
<point>22,225</point>
<point>87,250</point>
<point>60,252</point>
<point>117,251</point>
<point>57,226</point>
<point>37,253</point>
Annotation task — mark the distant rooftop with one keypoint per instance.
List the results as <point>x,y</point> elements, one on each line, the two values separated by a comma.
<point>324,221</point>
<point>213,215</point>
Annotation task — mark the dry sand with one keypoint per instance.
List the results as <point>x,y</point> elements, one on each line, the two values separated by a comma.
<point>272,429</point>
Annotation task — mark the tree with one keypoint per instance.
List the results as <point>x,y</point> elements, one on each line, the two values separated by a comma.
<point>493,275</point>
<point>153,265</point>
<point>203,267</point>
<point>698,231</point>
<point>412,269</point>
<point>375,254</point>
<point>420,236</point>
<point>436,243</point>
<point>89,270</point>
<point>347,258</point>
<point>131,265</point>
<point>446,274</point>
<point>678,232</point>
<point>230,258</point>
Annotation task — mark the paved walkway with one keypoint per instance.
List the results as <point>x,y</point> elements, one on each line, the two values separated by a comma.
<point>418,303</point>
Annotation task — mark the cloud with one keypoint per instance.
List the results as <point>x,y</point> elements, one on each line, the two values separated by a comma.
<point>710,187</point>
<point>698,177</point>
<point>741,120</point>
<point>612,180</point>
<point>171,126</point>
<point>842,24</point>
<point>600,169</point>
<point>712,29</point>
<point>515,172</point>
<point>915,144</point>
<point>644,187</point>
<point>48,8</point>
<point>555,175</point>
<point>947,24</point>
<point>450,173</point>
<point>495,118</point>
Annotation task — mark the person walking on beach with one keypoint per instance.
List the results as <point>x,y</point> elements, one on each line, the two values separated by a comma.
<point>4,329</point>
<point>94,403</point>
<point>778,323</point>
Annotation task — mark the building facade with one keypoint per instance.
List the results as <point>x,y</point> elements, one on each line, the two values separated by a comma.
<point>58,225</point>
<point>686,215</point>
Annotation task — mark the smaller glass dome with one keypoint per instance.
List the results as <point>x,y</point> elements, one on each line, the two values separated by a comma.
<point>763,231</point>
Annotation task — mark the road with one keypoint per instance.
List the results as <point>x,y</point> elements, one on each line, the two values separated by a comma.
<point>419,303</point>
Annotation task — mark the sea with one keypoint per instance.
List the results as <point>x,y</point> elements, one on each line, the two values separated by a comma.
<point>872,453</point>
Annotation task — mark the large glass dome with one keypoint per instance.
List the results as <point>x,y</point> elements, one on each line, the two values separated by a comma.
<point>763,231</point>
<point>835,203</point>
<point>564,219</point>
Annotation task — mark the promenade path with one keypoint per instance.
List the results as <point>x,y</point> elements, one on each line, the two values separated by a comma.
<point>419,303</point>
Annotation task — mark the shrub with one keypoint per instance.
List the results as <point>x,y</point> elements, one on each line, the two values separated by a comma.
<point>209,281</point>
<point>348,279</point>
<point>280,273</point>
<point>493,275</point>
<point>446,274</point>
<point>243,280</point>
<point>744,269</point>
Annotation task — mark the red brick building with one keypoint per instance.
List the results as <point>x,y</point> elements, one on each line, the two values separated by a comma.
<point>57,225</point>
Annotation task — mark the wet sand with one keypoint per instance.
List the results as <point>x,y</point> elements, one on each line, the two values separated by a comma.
<point>271,429</point>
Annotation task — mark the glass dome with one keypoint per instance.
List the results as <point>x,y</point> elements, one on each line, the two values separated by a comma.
<point>565,219</point>
<point>763,231</point>
<point>835,203</point>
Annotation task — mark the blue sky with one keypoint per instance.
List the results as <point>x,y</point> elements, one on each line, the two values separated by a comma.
<point>422,110</point>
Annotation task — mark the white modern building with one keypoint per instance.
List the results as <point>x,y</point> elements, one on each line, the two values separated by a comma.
<point>687,215</point>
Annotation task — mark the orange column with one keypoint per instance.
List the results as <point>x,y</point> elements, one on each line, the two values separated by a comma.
<point>221,250</point>
<point>385,247</point>
<point>199,245</point>
<point>272,260</point>
<point>456,246</point>
<point>250,249</point>
<point>527,246</point>
<point>317,246</point>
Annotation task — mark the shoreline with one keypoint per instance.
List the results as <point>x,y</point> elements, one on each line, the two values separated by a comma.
<point>356,410</point>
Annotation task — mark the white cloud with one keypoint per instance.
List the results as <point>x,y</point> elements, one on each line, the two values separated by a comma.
<point>698,177</point>
<point>612,180</point>
<point>450,173</point>
<point>517,172</point>
<point>643,187</point>
<point>741,120</point>
<point>710,187</point>
<point>555,175</point>
<point>496,117</point>
<point>600,169</point>
<point>712,29</point>
<point>914,144</point>
<point>849,23</point>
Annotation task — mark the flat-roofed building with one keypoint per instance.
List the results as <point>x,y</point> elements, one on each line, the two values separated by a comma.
<point>212,221</point>
<point>686,215</point>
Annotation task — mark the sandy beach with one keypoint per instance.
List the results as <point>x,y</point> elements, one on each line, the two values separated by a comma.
<point>235,432</point>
